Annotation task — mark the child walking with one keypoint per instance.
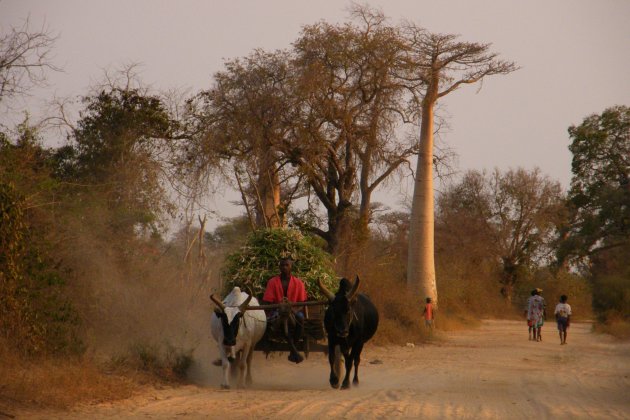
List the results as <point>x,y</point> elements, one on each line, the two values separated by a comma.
<point>563,316</point>
<point>428,314</point>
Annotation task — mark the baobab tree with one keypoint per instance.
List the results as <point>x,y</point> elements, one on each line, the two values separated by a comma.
<point>347,143</point>
<point>240,122</point>
<point>443,64</point>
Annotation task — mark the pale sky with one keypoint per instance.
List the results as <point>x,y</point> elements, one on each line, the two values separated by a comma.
<point>574,57</point>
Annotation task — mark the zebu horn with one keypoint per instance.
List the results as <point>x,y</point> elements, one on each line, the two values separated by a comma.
<point>243,306</point>
<point>355,288</point>
<point>329,295</point>
<point>217,302</point>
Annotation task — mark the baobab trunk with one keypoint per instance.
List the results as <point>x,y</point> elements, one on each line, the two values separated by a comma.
<point>421,260</point>
<point>268,193</point>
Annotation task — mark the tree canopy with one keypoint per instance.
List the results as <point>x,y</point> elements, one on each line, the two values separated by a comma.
<point>511,216</point>
<point>599,197</point>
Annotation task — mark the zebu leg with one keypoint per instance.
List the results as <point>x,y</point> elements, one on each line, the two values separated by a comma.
<point>250,356</point>
<point>242,366</point>
<point>356,356</point>
<point>348,362</point>
<point>225,365</point>
<point>334,355</point>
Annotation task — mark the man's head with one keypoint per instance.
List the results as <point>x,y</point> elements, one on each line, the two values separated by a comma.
<point>563,299</point>
<point>286,264</point>
<point>538,291</point>
<point>428,300</point>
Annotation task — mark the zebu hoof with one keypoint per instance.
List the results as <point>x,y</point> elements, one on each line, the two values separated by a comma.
<point>355,381</point>
<point>225,386</point>
<point>345,385</point>
<point>334,384</point>
<point>296,358</point>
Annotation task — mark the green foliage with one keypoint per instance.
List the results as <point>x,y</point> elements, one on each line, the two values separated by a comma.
<point>257,261</point>
<point>116,147</point>
<point>34,315</point>
<point>599,197</point>
<point>611,284</point>
<point>114,126</point>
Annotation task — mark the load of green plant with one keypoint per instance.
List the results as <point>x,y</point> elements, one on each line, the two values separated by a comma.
<point>257,261</point>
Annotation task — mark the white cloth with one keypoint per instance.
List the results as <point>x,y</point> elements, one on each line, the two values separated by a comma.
<point>563,310</point>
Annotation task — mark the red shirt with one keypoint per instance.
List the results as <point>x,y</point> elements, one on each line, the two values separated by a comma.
<point>428,312</point>
<point>295,293</point>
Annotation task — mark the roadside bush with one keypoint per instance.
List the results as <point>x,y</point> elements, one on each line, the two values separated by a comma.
<point>35,316</point>
<point>164,362</point>
<point>611,297</point>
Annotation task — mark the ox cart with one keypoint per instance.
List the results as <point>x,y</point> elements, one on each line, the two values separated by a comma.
<point>313,335</point>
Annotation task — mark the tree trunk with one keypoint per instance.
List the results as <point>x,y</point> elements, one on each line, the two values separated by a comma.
<point>421,261</point>
<point>268,191</point>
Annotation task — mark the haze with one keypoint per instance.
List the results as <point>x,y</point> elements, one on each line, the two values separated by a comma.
<point>573,56</point>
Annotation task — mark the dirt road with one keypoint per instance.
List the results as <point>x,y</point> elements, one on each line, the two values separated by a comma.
<point>491,372</point>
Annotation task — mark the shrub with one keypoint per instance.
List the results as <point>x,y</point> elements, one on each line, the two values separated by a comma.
<point>166,363</point>
<point>35,316</point>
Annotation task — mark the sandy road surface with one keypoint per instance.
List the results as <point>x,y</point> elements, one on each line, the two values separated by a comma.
<point>491,372</point>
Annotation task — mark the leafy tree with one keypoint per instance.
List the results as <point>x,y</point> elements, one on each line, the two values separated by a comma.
<point>326,114</point>
<point>443,64</point>
<point>598,231</point>
<point>118,147</point>
<point>599,197</point>
<point>35,316</point>
<point>511,217</point>
<point>348,141</point>
<point>239,125</point>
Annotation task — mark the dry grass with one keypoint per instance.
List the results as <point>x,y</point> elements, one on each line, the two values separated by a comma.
<point>615,326</point>
<point>59,383</point>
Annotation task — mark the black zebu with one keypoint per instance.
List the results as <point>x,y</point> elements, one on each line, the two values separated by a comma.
<point>350,320</point>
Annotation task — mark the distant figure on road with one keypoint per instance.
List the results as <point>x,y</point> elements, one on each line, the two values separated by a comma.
<point>563,316</point>
<point>530,324</point>
<point>429,317</point>
<point>536,313</point>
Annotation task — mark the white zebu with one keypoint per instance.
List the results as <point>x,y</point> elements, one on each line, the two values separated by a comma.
<point>236,329</point>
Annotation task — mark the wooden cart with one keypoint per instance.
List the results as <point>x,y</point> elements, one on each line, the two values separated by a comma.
<point>313,337</point>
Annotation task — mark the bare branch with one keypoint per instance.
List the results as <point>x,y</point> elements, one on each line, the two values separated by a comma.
<point>25,59</point>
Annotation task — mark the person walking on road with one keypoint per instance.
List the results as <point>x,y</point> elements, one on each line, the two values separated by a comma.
<point>563,317</point>
<point>536,313</point>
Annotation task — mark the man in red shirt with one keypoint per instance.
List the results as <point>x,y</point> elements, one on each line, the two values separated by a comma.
<point>287,287</point>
